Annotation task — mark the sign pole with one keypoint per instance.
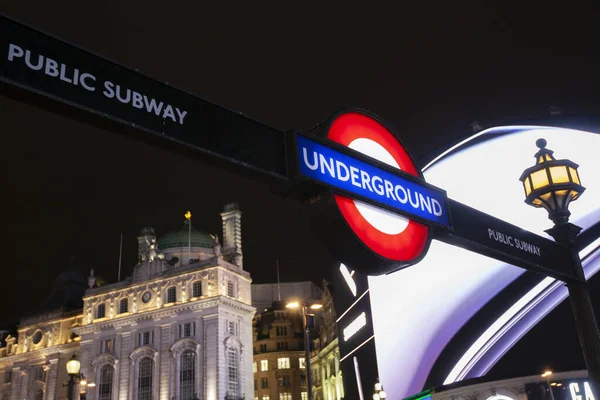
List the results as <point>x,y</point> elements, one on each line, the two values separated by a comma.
<point>583,311</point>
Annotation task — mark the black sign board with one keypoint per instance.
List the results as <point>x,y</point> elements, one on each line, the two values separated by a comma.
<point>34,62</point>
<point>355,331</point>
<point>492,237</point>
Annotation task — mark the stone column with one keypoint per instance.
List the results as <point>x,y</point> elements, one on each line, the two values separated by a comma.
<point>15,385</point>
<point>124,349</point>
<point>212,350</point>
<point>165,361</point>
<point>51,382</point>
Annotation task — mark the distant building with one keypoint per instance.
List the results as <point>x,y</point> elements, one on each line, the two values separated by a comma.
<point>279,359</point>
<point>325,358</point>
<point>264,294</point>
<point>179,328</point>
<point>279,356</point>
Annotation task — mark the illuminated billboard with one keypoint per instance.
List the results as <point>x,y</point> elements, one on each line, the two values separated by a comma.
<point>420,313</point>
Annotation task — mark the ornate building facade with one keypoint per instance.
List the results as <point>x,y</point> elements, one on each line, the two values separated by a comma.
<point>179,328</point>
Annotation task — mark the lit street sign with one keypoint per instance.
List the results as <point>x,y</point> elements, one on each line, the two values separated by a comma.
<point>492,237</point>
<point>54,70</point>
<point>350,173</point>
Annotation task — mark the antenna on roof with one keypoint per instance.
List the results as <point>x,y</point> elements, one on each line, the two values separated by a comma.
<point>120,258</point>
<point>278,286</point>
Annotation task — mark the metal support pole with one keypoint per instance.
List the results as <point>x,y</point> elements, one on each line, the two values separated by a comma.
<point>71,388</point>
<point>550,389</point>
<point>583,311</point>
<point>307,353</point>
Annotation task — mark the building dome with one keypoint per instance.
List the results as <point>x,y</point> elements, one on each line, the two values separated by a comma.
<point>182,238</point>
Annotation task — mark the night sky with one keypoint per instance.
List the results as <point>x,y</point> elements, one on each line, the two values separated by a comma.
<point>428,68</point>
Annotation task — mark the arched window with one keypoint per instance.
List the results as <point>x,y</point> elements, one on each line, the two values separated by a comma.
<point>232,372</point>
<point>187,376</point>
<point>106,382</point>
<point>144,383</point>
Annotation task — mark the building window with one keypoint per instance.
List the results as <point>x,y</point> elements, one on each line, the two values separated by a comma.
<point>101,311</point>
<point>39,394</point>
<point>263,348</point>
<point>283,363</point>
<point>231,327</point>
<point>7,376</point>
<point>264,365</point>
<point>171,295</point>
<point>232,372</point>
<point>197,289</point>
<point>146,338</point>
<point>302,380</point>
<point>282,345</point>
<point>187,330</point>
<point>144,382</point>
<point>264,383</point>
<point>284,380</point>
<point>106,346</point>
<point>123,306</point>
<point>285,396</point>
<point>303,396</point>
<point>105,386</point>
<point>254,368</point>
<point>302,363</point>
<point>37,373</point>
<point>187,376</point>
<point>281,330</point>
<point>230,289</point>
<point>265,397</point>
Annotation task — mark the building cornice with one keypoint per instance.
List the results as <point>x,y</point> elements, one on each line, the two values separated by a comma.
<point>164,312</point>
<point>38,353</point>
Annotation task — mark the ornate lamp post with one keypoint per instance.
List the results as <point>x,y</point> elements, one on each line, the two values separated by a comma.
<point>73,368</point>
<point>553,184</point>
<point>305,316</point>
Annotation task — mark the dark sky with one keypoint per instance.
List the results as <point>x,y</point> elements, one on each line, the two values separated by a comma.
<point>428,68</point>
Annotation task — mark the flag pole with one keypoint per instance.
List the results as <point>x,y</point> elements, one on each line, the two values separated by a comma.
<point>188,216</point>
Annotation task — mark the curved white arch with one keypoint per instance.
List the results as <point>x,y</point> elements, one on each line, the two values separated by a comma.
<point>435,298</point>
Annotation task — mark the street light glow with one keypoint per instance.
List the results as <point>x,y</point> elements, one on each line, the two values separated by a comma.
<point>547,373</point>
<point>293,304</point>
<point>316,306</point>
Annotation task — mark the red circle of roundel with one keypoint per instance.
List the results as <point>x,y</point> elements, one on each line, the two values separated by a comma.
<point>406,245</point>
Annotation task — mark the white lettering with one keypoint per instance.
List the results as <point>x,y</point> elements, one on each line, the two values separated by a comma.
<point>85,85</point>
<point>437,208</point>
<point>355,326</point>
<point>378,185</point>
<point>168,112</point>
<point>14,51</point>
<point>39,65</point>
<point>110,91</point>
<point>402,199</point>
<point>574,389</point>
<point>326,165</point>
<point>63,77</point>
<point>425,203</point>
<point>136,101</point>
<point>316,162</point>
<point>152,106</point>
<point>51,67</point>
<point>354,175</point>
<point>389,190</point>
<point>181,115</point>
<point>348,278</point>
<point>365,180</point>
<point>338,168</point>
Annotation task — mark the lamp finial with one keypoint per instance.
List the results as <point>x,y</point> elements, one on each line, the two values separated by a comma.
<point>541,143</point>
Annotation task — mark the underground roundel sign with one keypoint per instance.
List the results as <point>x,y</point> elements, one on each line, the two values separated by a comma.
<point>368,238</point>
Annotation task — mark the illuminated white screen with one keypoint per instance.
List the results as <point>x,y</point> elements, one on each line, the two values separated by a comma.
<point>417,311</point>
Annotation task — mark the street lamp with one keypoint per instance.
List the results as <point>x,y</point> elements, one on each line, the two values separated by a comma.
<point>547,375</point>
<point>379,392</point>
<point>553,184</point>
<point>304,305</point>
<point>73,369</point>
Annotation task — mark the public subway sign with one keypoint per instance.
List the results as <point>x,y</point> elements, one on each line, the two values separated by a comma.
<point>490,236</point>
<point>349,172</point>
<point>43,65</point>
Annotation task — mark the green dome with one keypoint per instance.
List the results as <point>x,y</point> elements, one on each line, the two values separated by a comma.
<point>181,238</point>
